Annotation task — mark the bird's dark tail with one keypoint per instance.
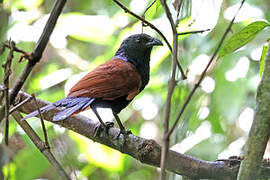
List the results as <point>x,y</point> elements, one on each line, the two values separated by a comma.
<point>43,109</point>
<point>71,105</point>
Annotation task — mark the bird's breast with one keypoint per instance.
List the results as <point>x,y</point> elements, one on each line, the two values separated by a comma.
<point>144,71</point>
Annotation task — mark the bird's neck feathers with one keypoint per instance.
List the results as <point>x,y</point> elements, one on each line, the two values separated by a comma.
<point>140,59</point>
<point>134,56</point>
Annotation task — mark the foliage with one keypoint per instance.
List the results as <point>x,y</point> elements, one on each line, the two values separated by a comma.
<point>262,59</point>
<point>88,33</point>
<point>241,38</point>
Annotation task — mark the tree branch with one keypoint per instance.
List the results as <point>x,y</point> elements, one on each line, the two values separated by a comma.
<point>144,21</point>
<point>154,28</point>
<point>42,122</point>
<point>44,149</point>
<point>259,132</point>
<point>148,7</point>
<point>203,73</point>
<point>171,87</point>
<point>146,151</point>
<point>37,53</point>
<point>193,32</point>
<point>7,68</point>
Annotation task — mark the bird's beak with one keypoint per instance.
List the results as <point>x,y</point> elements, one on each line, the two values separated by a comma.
<point>154,42</point>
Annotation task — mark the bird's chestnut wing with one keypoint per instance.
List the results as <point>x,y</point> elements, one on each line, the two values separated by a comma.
<point>111,80</point>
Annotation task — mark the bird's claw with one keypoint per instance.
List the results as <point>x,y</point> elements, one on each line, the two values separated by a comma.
<point>124,132</point>
<point>108,125</point>
<point>100,127</point>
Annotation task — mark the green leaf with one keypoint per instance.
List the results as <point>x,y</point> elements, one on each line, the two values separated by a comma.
<point>262,59</point>
<point>241,38</point>
<point>153,10</point>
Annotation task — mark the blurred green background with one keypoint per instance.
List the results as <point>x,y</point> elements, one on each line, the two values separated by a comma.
<point>88,33</point>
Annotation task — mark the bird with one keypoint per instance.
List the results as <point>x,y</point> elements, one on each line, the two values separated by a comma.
<point>113,84</point>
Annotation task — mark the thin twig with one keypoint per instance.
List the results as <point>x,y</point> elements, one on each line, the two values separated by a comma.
<point>154,28</point>
<point>1,96</point>
<point>171,87</point>
<point>48,29</point>
<point>19,105</point>
<point>42,122</point>
<point>40,145</point>
<point>7,68</point>
<point>2,49</point>
<point>148,7</point>
<point>26,54</point>
<point>193,32</point>
<point>169,16</point>
<point>203,73</point>
<point>37,53</point>
<point>178,10</point>
<point>144,21</point>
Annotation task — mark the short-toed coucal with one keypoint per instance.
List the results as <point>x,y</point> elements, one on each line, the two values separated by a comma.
<point>110,85</point>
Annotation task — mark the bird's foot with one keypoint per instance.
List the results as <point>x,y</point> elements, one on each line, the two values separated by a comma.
<point>124,132</point>
<point>103,126</point>
<point>108,125</point>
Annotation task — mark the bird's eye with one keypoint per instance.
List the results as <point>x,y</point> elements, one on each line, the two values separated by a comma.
<point>138,40</point>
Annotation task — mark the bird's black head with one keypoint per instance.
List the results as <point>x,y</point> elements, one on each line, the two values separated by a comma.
<point>137,48</point>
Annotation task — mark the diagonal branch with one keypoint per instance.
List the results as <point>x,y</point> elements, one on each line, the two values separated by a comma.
<point>154,28</point>
<point>145,22</point>
<point>44,149</point>
<point>25,54</point>
<point>203,73</point>
<point>19,105</point>
<point>37,53</point>
<point>146,151</point>
<point>42,122</point>
<point>148,7</point>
